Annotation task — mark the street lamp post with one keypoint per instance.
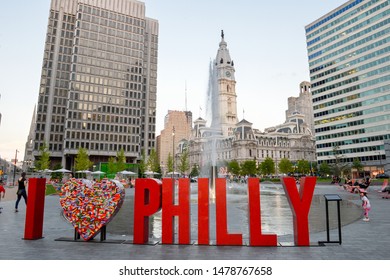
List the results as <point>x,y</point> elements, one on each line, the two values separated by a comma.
<point>311,165</point>
<point>16,156</point>
<point>276,159</point>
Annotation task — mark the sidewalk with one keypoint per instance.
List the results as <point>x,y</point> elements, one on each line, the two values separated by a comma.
<point>10,193</point>
<point>360,240</point>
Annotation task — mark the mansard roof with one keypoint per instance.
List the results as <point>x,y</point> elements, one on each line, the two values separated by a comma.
<point>200,120</point>
<point>244,122</point>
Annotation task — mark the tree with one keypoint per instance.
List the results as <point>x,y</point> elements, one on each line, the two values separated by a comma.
<point>112,166</point>
<point>44,160</point>
<point>142,166</point>
<point>314,168</point>
<point>184,164</point>
<point>303,166</point>
<point>248,167</point>
<point>285,166</point>
<point>234,167</point>
<point>267,166</point>
<point>82,161</point>
<point>194,171</point>
<point>153,163</point>
<point>324,169</point>
<point>356,164</point>
<point>57,175</point>
<point>170,163</point>
<point>121,160</point>
<point>337,167</point>
<point>158,170</point>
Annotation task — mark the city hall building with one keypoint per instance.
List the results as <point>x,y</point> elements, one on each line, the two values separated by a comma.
<point>227,138</point>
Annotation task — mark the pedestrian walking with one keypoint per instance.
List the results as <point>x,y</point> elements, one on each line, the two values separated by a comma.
<point>22,183</point>
<point>2,193</point>
<point>365,204</point>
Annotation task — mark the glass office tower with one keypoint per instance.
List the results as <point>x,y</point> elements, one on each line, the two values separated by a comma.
<point>349,59</point>
<point>99,81</point>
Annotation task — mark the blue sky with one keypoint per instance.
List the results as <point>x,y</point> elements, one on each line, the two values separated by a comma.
<point>266,40</point>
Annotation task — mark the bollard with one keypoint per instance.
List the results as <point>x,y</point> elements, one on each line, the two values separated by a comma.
<point>35,208</point>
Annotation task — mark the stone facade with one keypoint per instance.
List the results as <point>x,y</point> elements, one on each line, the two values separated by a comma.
<point>248,143</point>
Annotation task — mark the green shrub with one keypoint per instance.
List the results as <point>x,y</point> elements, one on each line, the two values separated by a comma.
<point>50,189</point>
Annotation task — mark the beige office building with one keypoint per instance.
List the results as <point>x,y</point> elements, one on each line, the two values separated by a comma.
<point>177,126</point>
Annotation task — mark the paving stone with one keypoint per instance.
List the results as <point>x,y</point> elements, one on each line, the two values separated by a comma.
<point>360,240</point>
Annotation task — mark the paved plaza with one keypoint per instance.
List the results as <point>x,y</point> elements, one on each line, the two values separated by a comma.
<point>360,240</point>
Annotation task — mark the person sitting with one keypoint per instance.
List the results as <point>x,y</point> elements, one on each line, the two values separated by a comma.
<point>386,192</point>
<point>385,186</point>
<point>348,183</point>
<point>365,183</point>
<point>385,189</point>
<point>336,180</point>
<point>355,187</point>
<point>362,184</point>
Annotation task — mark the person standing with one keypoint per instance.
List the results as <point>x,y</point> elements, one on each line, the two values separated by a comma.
<point>2,192</point>
<point>22,183</point>
<point>365,204</point>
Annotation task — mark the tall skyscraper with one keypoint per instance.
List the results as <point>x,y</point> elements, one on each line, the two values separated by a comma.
<point>99,81</point>
<point>349,59</point>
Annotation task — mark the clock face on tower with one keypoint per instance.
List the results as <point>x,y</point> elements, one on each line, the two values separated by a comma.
<point>228,74</point>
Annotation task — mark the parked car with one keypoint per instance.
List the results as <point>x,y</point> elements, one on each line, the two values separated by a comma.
<point>382,175</point>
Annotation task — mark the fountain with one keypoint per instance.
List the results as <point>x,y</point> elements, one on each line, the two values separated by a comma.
<point>212,113</point>
<point>213,176</point>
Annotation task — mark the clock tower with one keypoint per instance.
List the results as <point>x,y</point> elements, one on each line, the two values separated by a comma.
<point>226,82</point>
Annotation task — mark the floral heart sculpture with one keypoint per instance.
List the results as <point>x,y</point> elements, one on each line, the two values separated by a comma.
<point>88,206</point>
